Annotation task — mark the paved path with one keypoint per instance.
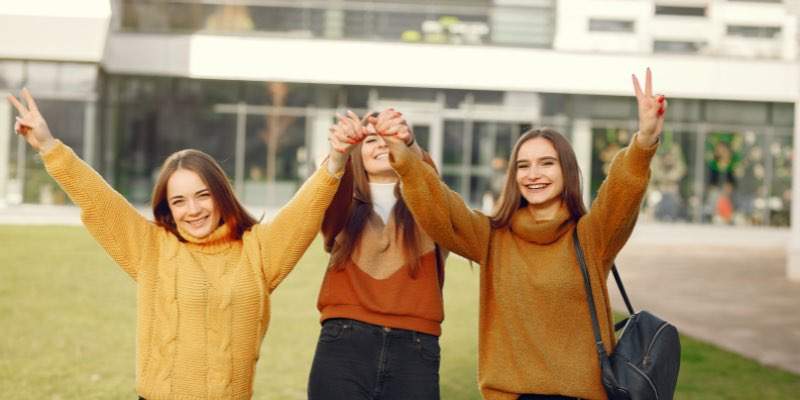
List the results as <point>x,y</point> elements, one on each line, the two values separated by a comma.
<point>735,297</point>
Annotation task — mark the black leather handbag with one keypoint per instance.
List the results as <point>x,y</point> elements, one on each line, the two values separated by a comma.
<point>644,365</point>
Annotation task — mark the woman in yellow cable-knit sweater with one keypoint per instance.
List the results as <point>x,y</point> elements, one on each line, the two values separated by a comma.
<point>535,338</point>
<point>204,269</point>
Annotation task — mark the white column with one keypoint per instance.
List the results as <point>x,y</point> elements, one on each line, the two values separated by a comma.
<point>318,146</point>
<point>6,128</point>
<point>793,249</point>
<point>241,126</point>
<point>582,143</point>
<point>89,116</point>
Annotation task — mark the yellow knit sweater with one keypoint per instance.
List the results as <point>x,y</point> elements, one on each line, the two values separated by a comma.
<point>535,331</point>
<point>203,305</point>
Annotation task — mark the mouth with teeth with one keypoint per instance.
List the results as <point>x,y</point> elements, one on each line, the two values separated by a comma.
<point>197,223</point>
<point>537,186</point>
<point>382,156</point>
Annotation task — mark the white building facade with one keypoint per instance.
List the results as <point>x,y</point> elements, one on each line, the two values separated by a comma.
<point>256,83</point>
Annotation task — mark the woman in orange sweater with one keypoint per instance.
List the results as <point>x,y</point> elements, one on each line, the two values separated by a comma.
<point>381,299</point>
<point>204,268</point>
<point>535,338</point>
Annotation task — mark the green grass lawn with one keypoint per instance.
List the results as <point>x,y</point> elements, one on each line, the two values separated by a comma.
<point>68,322</point>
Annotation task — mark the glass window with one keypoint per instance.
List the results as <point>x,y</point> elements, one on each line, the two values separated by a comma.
<point>736,177</point>
<point>671,193</point>
<point>766,32</point>
<point>728,112</point>
<point>12,74</point>
<point>606,143</point>
<point>275,160</point>
<point>779,201</point>
<point>782,114</point>
<point>610,25</point>
<point>675,46</point>
<point>681,11</point>
<point>453,151</point>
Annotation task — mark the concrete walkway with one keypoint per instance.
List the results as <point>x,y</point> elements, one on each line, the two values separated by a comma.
<point>735,297</point>
<point>725,286</point>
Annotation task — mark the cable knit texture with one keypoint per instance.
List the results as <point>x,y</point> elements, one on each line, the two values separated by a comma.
<point>203,304</point>
<point>535,331</point>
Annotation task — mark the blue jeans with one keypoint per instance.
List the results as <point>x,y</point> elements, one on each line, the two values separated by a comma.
<point>359,361</point>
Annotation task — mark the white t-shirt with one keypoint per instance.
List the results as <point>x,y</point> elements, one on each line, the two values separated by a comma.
<point>383,199</point>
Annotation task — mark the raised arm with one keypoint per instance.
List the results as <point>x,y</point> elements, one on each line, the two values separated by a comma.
<point>440,212</point>
<point>113,222</point>
<point>296,225</point>
<point>613,214</point>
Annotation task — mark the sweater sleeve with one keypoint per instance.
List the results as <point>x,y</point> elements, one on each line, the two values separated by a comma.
<point>116,225</point>
<point>441,212</point>
<point>284,240</point>
<point>612,217</point>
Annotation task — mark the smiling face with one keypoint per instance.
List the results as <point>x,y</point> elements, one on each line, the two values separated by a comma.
<point>539,176</point>
<point>192,206</point>
<point>375,155</point>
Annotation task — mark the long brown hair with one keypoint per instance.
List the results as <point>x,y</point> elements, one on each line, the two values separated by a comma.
<point>511,199</point>
<point>360,210</point>
<point>231,210</point>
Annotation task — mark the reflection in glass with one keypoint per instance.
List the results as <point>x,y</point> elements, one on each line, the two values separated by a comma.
<point>736,179</point>
<point>670,196</point>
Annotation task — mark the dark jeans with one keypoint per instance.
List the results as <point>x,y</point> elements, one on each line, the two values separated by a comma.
<point>544,397</point>
<point>360,361</point>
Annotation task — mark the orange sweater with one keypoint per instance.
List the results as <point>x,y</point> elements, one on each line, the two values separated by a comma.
<point>535,331</point>
<point>375,285</point>
<point>203,306</point>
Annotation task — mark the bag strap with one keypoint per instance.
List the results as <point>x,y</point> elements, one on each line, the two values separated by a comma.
<point>598,340</point>
<point>621,287</point>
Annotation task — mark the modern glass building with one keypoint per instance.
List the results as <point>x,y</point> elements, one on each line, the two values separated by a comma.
<point>256,83</point>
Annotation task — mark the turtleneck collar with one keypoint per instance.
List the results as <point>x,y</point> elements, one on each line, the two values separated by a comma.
<point>525,226</point>
<point>383,199</point>
<point>216,241</point>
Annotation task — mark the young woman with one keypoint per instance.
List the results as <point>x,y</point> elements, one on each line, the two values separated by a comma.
<point>204,268</point>
<point>381,299</point>
<point>535,338</point>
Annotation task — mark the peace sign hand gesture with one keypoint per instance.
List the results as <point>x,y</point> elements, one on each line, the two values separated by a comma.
<point>30,124</point>
<point>651,110</point>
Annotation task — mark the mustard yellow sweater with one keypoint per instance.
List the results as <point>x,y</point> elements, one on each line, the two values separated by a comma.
<point>535,331</point>
<point>203,305</point>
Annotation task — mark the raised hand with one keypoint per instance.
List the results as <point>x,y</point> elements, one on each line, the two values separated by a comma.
<point>651,110</point>
<point>30,123</point>
<point>344,135</point>
<point>392,123</point>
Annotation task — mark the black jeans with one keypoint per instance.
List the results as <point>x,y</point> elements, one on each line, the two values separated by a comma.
<point>359,361</point>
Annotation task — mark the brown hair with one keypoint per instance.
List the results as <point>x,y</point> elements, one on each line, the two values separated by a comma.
<point>359,210</point>
<point>231,210</point>
<point>511,199</point>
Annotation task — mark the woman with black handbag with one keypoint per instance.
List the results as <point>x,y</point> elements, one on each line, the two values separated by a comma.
<point>536,337</point>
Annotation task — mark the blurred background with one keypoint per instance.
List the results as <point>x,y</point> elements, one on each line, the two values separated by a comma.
<point>256,84</point>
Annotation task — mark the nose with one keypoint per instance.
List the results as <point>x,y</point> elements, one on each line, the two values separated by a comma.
<point>533,172</point>
<point>193,207</point>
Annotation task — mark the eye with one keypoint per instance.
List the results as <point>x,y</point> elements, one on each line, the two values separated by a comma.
<point>522,166</point>
<point>371,139</point>
<point>548,163</point>
<point>177,202</point>
<point>204,195</point>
